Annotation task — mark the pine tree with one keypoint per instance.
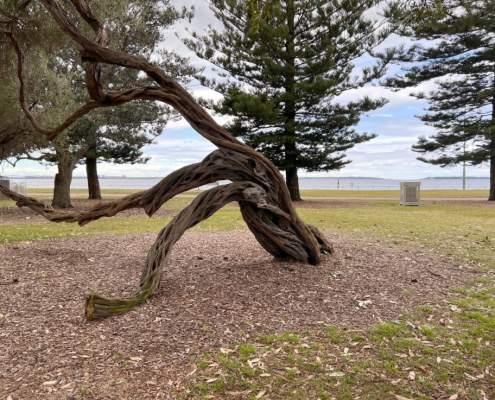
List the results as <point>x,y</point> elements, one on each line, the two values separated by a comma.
<point>282,64</point>
<point>459,56</point>
<point>39,34</point>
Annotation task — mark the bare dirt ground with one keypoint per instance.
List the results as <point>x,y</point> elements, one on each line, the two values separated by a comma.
<point>218,288</point>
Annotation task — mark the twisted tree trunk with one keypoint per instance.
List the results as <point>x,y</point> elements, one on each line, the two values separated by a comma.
<point>257,185</point>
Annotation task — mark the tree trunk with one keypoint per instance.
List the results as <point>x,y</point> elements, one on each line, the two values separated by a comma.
<point>291,177</point>
<point>63,180</point>
<point>491,196</point>
<point>94,192</point>
<point>492,173</point>
<point>292,181</point>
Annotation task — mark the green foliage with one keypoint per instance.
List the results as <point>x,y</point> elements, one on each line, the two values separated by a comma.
<point>456,53</point>
<point>118,134</point>
<point>281,66</point>
<point>37,37</point>
<point>115,134</point>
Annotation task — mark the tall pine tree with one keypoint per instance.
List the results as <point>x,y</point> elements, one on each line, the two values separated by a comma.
<point>282,63</point>
<point>459,55</point>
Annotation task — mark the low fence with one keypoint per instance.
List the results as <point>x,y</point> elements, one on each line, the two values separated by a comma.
<point>19,187</point>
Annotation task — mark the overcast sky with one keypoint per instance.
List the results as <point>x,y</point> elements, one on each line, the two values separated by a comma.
<point>387,156</point>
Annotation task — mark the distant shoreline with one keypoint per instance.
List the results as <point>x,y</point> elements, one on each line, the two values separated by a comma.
<point>302,177</point>
<point>306,183</point>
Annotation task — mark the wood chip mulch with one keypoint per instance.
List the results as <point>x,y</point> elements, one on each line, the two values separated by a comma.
<point>218,288</point>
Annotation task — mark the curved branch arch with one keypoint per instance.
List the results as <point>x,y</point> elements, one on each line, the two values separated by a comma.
<point>257,185</point>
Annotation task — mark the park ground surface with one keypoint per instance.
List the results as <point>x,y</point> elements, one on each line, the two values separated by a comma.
<point>404,308</point>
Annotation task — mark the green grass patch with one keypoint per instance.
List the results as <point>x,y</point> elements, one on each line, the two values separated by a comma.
<point>228,219</point>
<point>452,354</point>
<point>387,330</point>
<point>6,203</point>
<point>394,194</point>
<point>465,231</point>
<point>335,334</point>
<point>111,226</point>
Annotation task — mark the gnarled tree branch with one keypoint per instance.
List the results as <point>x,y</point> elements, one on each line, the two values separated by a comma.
<point>203,206</point>
<point>257,185</point>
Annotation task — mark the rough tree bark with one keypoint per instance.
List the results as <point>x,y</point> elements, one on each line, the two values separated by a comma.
<point>291,178</point>
<point>94,192</point>
<point>292,181</point>
<point>257,185</point>
<point>62,182</point>
<point>491,196</point>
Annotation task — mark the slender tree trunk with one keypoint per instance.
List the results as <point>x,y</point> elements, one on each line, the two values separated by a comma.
<point>491,196</point>
<point>291,177</point>
<point>292,181</point>
<point>492,172</point>
<point>63,180</point>
<point>94,192</point>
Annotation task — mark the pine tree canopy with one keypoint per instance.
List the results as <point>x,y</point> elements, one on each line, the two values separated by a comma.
<point>458,54</point>
<point>281,64</point>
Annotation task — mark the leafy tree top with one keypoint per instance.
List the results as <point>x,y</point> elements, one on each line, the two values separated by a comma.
<point>456,50</point>
<point>133,26</point>
<point>280,66</point>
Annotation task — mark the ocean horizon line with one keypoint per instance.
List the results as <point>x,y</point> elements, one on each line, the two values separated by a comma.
<point>301,177</point>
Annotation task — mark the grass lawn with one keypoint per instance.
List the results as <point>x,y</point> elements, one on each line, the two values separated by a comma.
<point>395,194</point>
<point>442,351</point>
<point>112,226</point>
<point>464,230</point>
<point>438,352</point>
